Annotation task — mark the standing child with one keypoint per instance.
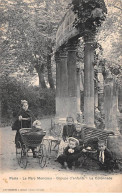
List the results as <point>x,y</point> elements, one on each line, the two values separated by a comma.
<point>71,154</point>
<point>104,156</point>
<point>23,120</point>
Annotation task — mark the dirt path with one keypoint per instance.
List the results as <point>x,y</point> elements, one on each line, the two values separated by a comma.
<point>9,164</point>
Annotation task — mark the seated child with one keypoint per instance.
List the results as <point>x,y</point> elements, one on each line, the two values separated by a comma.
<point>71,154</point>
<point>37,126</point>
<point>78,134</point>
<point>104,157</point>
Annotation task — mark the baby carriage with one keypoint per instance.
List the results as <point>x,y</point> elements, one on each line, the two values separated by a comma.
<point>31,138</point>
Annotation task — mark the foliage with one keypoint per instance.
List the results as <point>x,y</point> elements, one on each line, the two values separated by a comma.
<point>28,35</point>
<point>14,91</point>
<point>108,39</point>
<point>90,14</point>
<point>109,34</point>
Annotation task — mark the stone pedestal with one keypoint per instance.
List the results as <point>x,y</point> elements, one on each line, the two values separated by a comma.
<point>114,143</point>
<point>89,81</point>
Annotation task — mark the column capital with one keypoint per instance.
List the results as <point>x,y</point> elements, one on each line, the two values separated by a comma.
<point>72,45</point>
<point>57,56</point>
<point>63,53</point>
<point>89,37</point>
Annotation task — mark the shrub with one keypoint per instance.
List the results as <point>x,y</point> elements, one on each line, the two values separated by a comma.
<point>13,91</point>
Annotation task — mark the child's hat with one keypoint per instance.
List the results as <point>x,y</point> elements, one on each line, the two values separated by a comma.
<point>37,124</point>
<point>73,139</point>
<point>23,101</point>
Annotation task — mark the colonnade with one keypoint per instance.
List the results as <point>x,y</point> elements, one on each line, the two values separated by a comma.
<point>68,81</point>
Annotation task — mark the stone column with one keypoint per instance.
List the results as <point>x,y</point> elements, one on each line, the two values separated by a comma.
<point>101,90</point>
<point>78,90</point>
<point>120,96</point>
<point>79,113</point>
<point>120,107</point>
<point>96,87</point>
<point>110,105</point>
<point>63,84</point>
<point>73,81</point>
<point>89,81</point>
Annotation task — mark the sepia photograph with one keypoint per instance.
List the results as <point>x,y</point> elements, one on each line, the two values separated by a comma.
<point>60,96</point>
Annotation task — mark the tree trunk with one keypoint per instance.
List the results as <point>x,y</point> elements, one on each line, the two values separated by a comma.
<point>40,71</point>
<point>49,70</point>
<point>42,83</point>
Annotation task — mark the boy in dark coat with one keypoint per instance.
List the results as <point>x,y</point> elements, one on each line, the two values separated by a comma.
<point>104,157</point>
<point>71,154</point>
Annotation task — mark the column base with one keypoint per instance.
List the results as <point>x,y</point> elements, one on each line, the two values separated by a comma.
<point>62,107</point>
<point>72,107</point>
<point>115,145</point>
<point>67,106</point>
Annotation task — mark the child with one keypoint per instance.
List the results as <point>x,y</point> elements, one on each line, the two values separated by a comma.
<point>23,120</point>
<point>78,134</point>
<point>37,126</point>
<point>71,154</point>
<point>68,130</point>
<point>104,156</point>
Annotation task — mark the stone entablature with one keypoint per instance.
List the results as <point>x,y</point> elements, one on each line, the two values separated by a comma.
<point>66,30</point>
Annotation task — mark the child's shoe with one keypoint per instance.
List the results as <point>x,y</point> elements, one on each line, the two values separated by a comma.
<point>66,166</point>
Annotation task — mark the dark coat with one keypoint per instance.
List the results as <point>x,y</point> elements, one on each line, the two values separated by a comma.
<point>70,158</point>
<point>107,156</point>
<point>24,124</point>
<point>76,152</point>
<point>109,162</point>
<point>79,136</point>
<point>68,131</point>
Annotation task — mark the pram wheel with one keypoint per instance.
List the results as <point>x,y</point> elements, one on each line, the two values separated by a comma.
<point>23,160</point>
<point>42,155</point>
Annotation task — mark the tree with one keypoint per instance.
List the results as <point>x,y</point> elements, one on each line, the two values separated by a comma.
<point>28,36</point>
<point>109,34</point>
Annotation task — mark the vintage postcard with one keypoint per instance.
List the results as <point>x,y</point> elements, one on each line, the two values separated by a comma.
<point>60,96</point>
